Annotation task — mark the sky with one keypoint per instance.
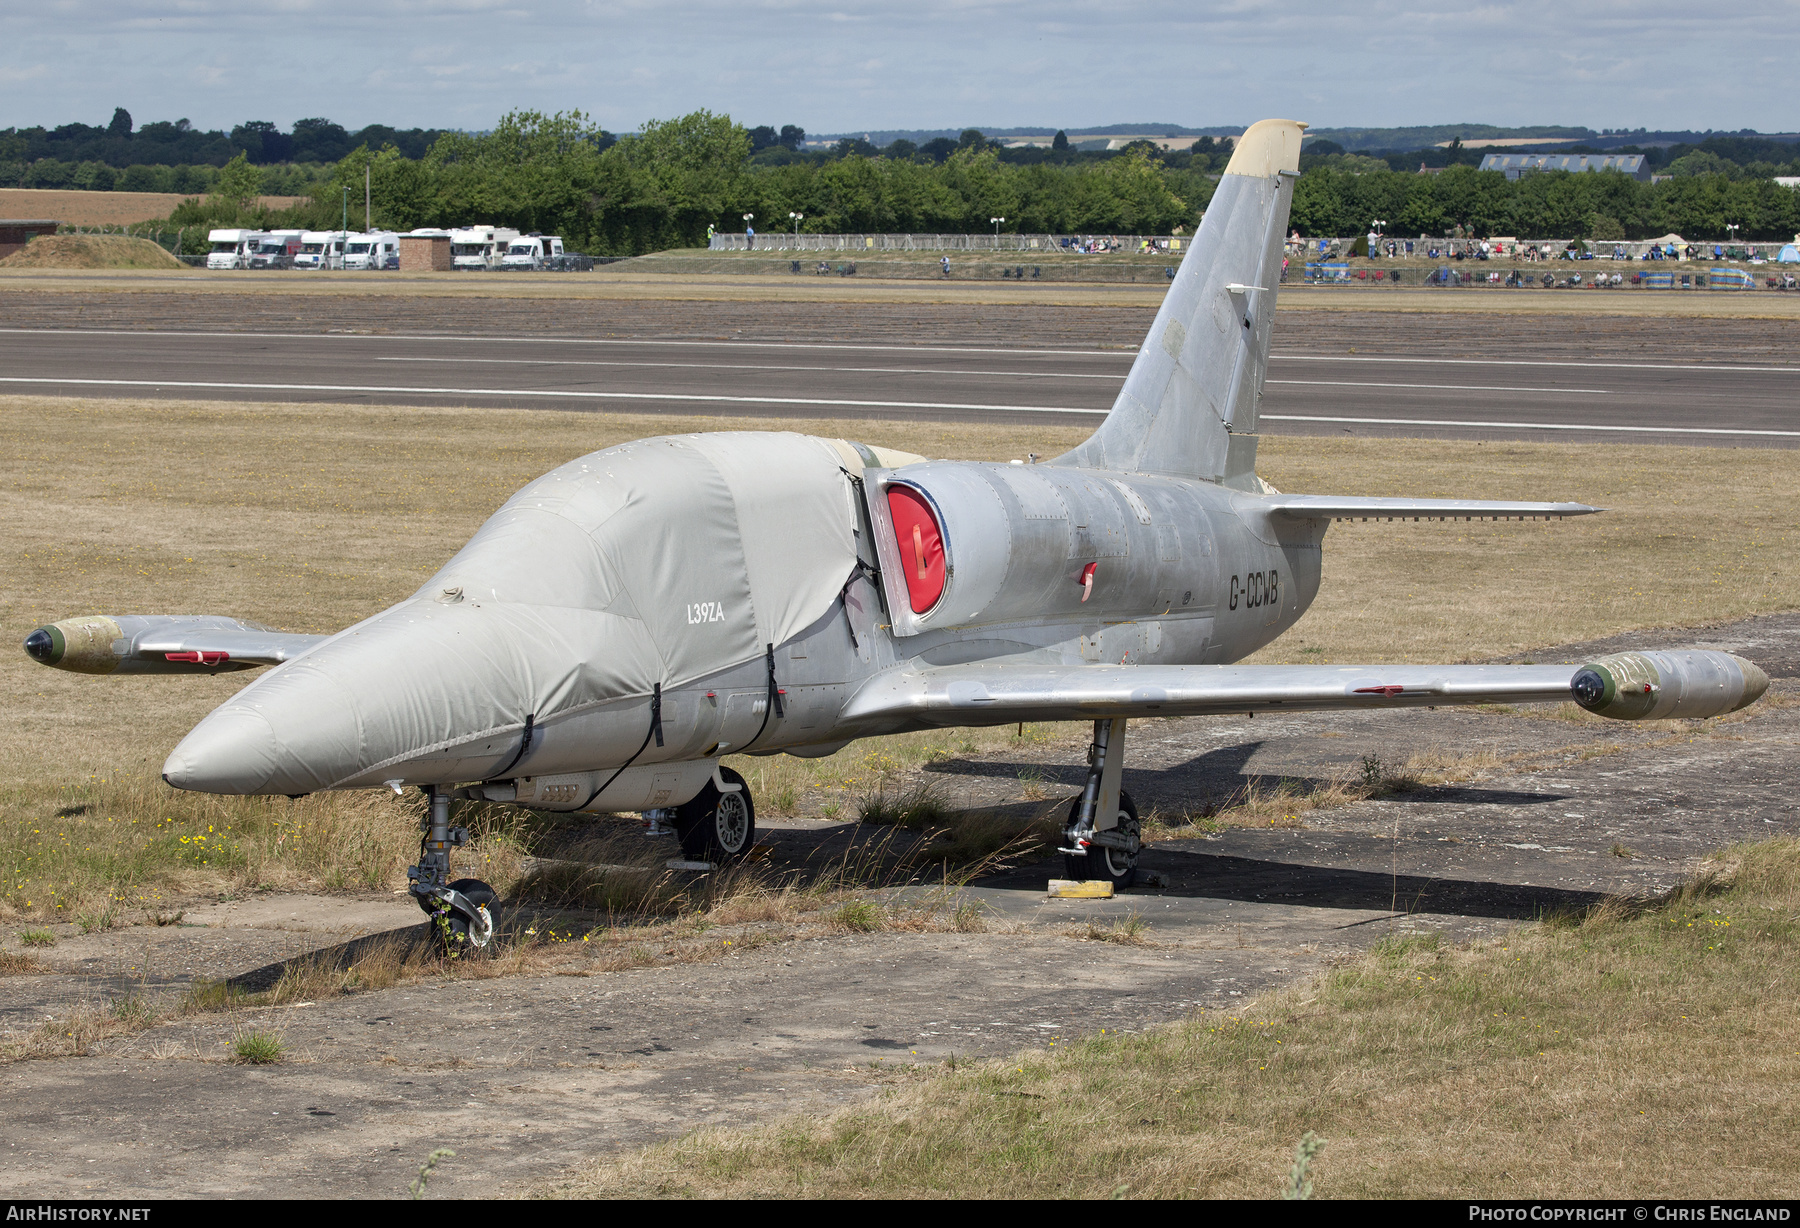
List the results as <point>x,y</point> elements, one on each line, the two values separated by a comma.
<point>840,67</point>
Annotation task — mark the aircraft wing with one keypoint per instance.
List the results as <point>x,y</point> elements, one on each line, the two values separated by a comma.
<point>1630,686</point>
<point>163,644</point>
<point>1340,507</point>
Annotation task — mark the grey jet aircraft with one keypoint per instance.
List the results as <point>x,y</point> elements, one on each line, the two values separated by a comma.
<point>626,620</point>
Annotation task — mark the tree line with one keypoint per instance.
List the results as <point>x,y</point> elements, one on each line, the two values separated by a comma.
<point>177,143</point>
<point>665,185</point>
<point>1339,200</point>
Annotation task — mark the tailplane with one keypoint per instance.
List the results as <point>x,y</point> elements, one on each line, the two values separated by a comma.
<point>1189,406</point>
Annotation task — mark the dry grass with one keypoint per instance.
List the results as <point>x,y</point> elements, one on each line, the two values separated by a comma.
<point>76,208</point>
<point>108,508</point>
<point>1635,1051</point>
<point>91,252</point>
<point>113,849</point>
<point>14,963</point>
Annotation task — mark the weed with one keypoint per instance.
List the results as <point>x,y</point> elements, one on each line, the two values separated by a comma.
<point>1299,1186</point>
<point>133,1011</point>
<point>427,1169</point>
<point>96,920</point>
<point>12,963</point>
<point>1126,931</point>
<point>969,919</point>
<point>169,918</point>
<point>254,1047</point>
<point>1619,850</point>
<point>205,996</point>
<point>37,938</point>
<point>1373,771</point>
<point>861,916</point>
<point>913,809</point>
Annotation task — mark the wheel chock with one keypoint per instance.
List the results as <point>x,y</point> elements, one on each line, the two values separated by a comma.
<point>1070,889</point>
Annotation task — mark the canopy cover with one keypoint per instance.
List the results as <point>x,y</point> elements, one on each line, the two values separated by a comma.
<point>658,561</point>
<point>715,545</point>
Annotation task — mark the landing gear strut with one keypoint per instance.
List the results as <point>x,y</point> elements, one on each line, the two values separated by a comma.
<point>1102,837</point>
<point>458,910</point>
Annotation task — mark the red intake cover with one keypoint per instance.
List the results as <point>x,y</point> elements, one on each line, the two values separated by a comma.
<point>921,545</point>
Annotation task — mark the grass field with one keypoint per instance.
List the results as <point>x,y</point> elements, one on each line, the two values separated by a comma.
<point>625,282</point>
<point>74,208</point>
<point>310,517</point>
<point>1622,1054</point>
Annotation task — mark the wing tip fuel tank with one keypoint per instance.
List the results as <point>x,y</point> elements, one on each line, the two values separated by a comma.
<point>1651,686</point>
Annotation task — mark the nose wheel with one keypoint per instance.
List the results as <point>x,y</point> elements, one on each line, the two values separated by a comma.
<point>461,912</point>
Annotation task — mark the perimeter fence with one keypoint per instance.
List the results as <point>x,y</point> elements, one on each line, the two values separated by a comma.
<point>789,242</point>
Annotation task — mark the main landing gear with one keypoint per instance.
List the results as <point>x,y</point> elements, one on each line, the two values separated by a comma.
<point>719,824</point>
<point>1102,836</point>
<point>460,918</point>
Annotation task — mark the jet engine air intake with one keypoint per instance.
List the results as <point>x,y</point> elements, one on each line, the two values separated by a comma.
<point>921,544</point>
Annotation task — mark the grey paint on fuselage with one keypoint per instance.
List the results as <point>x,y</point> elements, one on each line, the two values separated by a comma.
<point>1199,607</point>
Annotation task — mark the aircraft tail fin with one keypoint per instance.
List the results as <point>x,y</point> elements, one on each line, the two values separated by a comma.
<point>1189,406</point>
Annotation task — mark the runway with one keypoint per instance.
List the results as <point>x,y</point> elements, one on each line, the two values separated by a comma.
<point>1386,387</point>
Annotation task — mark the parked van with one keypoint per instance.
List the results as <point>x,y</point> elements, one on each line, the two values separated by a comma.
<point>321,249</point>
<point>480,247</point>
<point>276,250</point>
<point>380,250</point>
<point>230,249</point>
<point>532,252</point>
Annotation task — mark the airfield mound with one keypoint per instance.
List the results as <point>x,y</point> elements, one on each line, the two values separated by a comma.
<point>91,252</point>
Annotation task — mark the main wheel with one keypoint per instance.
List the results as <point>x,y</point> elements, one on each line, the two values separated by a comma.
<point>717,826</point>
<point>1104,864</point>
<point>459,934</point>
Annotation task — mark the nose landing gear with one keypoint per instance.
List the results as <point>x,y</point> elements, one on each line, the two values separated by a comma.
<point>1102,837</point>
<point>459,911</point>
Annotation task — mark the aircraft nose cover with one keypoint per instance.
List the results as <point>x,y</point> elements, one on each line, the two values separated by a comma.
<point>921,544</point>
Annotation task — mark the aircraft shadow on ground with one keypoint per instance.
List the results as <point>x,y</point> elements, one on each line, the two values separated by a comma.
<point>1217,776</point>
<point>409,940</point>
<point>1194,875</point>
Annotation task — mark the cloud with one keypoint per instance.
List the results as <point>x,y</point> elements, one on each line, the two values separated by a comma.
<point>834,65</point>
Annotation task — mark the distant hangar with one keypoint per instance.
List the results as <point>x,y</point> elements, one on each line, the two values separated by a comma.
<point>1517,164</point>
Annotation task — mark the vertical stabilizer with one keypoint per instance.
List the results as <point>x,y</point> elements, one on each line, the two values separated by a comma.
<point>1189,406</point>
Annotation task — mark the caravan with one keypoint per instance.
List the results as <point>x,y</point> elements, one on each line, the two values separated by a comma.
<point>532,252</point>
<point>479,247</point>
<point>380,250</point>
<point>276,250</point>
<point>321,249</point>
<point>230,249</point>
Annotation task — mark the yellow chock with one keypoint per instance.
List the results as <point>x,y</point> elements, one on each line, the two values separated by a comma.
<point>1069,889</point>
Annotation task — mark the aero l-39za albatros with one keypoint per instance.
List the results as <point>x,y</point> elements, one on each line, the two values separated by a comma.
<point>627,619</point>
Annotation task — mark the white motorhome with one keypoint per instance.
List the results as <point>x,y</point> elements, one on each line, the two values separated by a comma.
<point>379,250</point>
<point>230,249</point>
<point>532,252</point>
<point>480,247</point>
<point>276,249</point>
<point>321,249</point>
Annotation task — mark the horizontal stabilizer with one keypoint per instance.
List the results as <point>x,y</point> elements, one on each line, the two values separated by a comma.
<point>163,644</point>
<point>1340,507</point>
<point>1694,683</point>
